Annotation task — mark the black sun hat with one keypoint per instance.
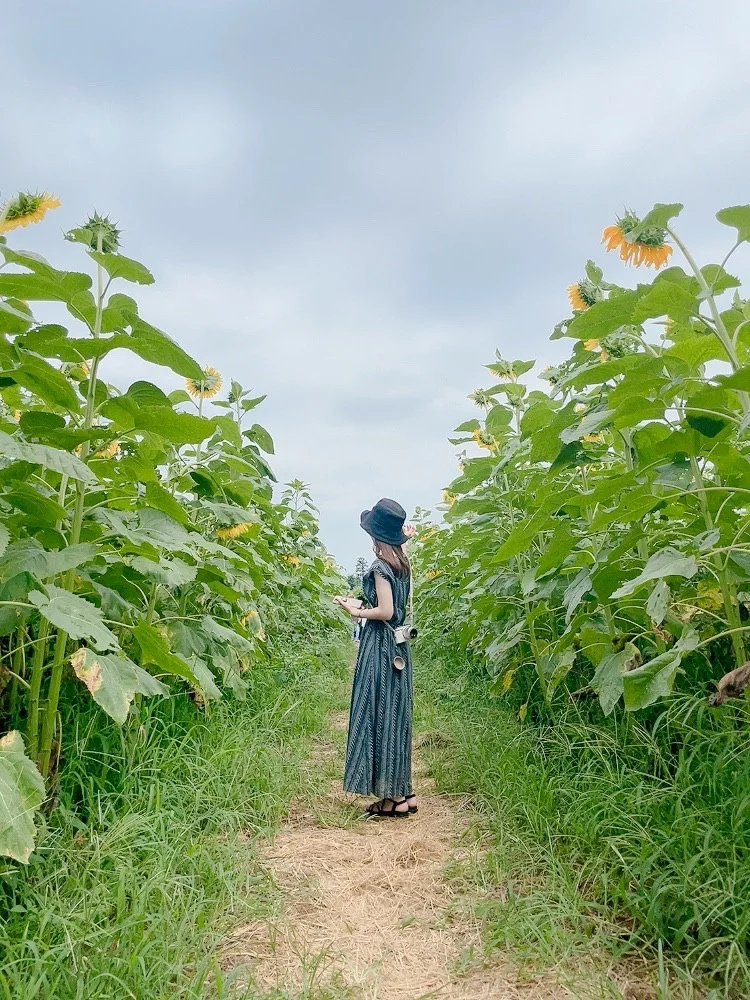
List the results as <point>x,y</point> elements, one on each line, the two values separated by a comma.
<point>385,522</point>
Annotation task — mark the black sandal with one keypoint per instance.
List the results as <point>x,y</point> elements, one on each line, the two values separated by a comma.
<point>376,810</point>
<point>412,809</point>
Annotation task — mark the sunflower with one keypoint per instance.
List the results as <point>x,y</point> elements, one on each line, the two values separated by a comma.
<point>233,530</point>
<point>109,451</point>
<point>207,386</point>
<point>98,232</point>
<point>292,560</point>
<point>593,438</point>
<point>583,294</point>
<point>591,345</point>
<point>26,208</point>
<point>432,573</point>
<point>449,498</point>
<point>482,398</point>
<point>638,246</point>
<point>483,439</point>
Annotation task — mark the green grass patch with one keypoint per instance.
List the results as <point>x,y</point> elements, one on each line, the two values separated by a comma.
<point>602,835</point>
<point>148,856</point>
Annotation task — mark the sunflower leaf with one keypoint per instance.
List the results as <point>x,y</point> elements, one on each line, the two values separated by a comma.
<point>21,794</point>
<point>667,562</point>
<point>78,617</point>
<point>118,266</point>
<point>737,216</point>
<point>113,681</point>
<point>40,454</point>
<point>659,217</point>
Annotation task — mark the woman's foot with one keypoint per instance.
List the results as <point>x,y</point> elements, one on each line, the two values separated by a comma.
<point>411,802</point>
<point>387,809</point>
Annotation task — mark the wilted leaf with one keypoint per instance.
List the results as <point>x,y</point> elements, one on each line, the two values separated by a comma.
<point>113,681</point>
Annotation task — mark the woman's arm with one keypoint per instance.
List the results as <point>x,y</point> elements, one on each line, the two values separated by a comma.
<point>384,611</point>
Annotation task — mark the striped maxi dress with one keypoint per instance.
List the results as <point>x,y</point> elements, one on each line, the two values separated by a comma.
<point>378,750</point>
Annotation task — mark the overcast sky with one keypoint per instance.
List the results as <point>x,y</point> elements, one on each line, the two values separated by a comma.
<point>349,206</point>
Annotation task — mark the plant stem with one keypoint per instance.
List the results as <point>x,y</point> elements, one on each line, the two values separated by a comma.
<point>37,672</point>
<point>19,669</point>
<point>58,661</point>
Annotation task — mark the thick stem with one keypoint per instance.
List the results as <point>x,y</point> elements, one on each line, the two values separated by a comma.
<point>58,661</point>
<point>19,669</point>
<point>37,672</point>
<point>151,604</point>
<point>719,328</point>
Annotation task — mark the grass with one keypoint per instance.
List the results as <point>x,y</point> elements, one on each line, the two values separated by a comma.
<point>602,836</point>
<point>148,856</point>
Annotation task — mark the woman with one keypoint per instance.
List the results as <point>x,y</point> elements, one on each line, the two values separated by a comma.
<point>378,751</point>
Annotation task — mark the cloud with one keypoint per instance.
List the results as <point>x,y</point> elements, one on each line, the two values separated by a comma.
<point>351,208</point>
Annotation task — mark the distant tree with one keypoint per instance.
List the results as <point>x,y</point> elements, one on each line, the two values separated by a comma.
<point>360,569</point>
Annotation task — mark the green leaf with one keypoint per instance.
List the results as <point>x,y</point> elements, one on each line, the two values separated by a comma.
<point>21,795</point>
<point>156,652</point>
<point>738,216</point>
<point>226,635</point>
<point>46,382</point>
<point>608,677</point>
<point>63,286</point>
<point>667,562</point>
<point>113,681</point>
<point>118,266</point>
<point>169,572</point>
<point>666,298</point>
<point>78,617</point>
<point>41,454</point>
<point>179,428</point>
<point>655,679</point>
<point>606,316</point>
<point>658,601</point>
<point>261,436</point>
<point>576,590</point>
<point>591,422</point>
<point>149,527</point>
<point>498,420</point>
<point>4,539</point>
<point>153,345</point>
<point>660,216</point>
<point>161,499</point>
<point>468,427</point>
<point>147,394</point>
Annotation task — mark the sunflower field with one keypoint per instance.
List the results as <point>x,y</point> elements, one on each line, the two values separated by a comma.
<point>142,552</point>
<point>593,563</point>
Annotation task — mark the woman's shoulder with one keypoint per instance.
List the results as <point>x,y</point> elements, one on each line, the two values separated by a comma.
<point>381,567</point>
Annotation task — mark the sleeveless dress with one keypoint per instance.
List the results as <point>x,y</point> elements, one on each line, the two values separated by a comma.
<point>378,751</point>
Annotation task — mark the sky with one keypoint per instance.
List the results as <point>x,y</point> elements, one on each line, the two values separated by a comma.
<point>350,207</point>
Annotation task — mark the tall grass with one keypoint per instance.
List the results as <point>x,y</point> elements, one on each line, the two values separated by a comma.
<point>148,856</point>
<point>618,832</point>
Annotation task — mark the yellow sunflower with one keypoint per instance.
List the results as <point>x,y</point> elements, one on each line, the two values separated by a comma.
<point>583,294</point>
<point>649,247</point>
<point>593,438</point>
<point>292,560</point>
<point>233,530</point>
<point>591,345</point>
<point>449,497</point>
<point>109,451</point>
<point>25,208</point>
<point>432,573</point>
<point>483,439</point>
<point>207,386</point>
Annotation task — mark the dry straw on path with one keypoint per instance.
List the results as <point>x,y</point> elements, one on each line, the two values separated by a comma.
<point>368,914</point>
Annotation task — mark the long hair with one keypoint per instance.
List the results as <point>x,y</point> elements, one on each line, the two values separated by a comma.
<point>394,556</point>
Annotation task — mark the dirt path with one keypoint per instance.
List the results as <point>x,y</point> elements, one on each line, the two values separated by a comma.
<point>366,911</point>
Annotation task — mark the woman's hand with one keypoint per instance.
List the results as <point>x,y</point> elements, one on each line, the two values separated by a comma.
<point>350,604</point>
